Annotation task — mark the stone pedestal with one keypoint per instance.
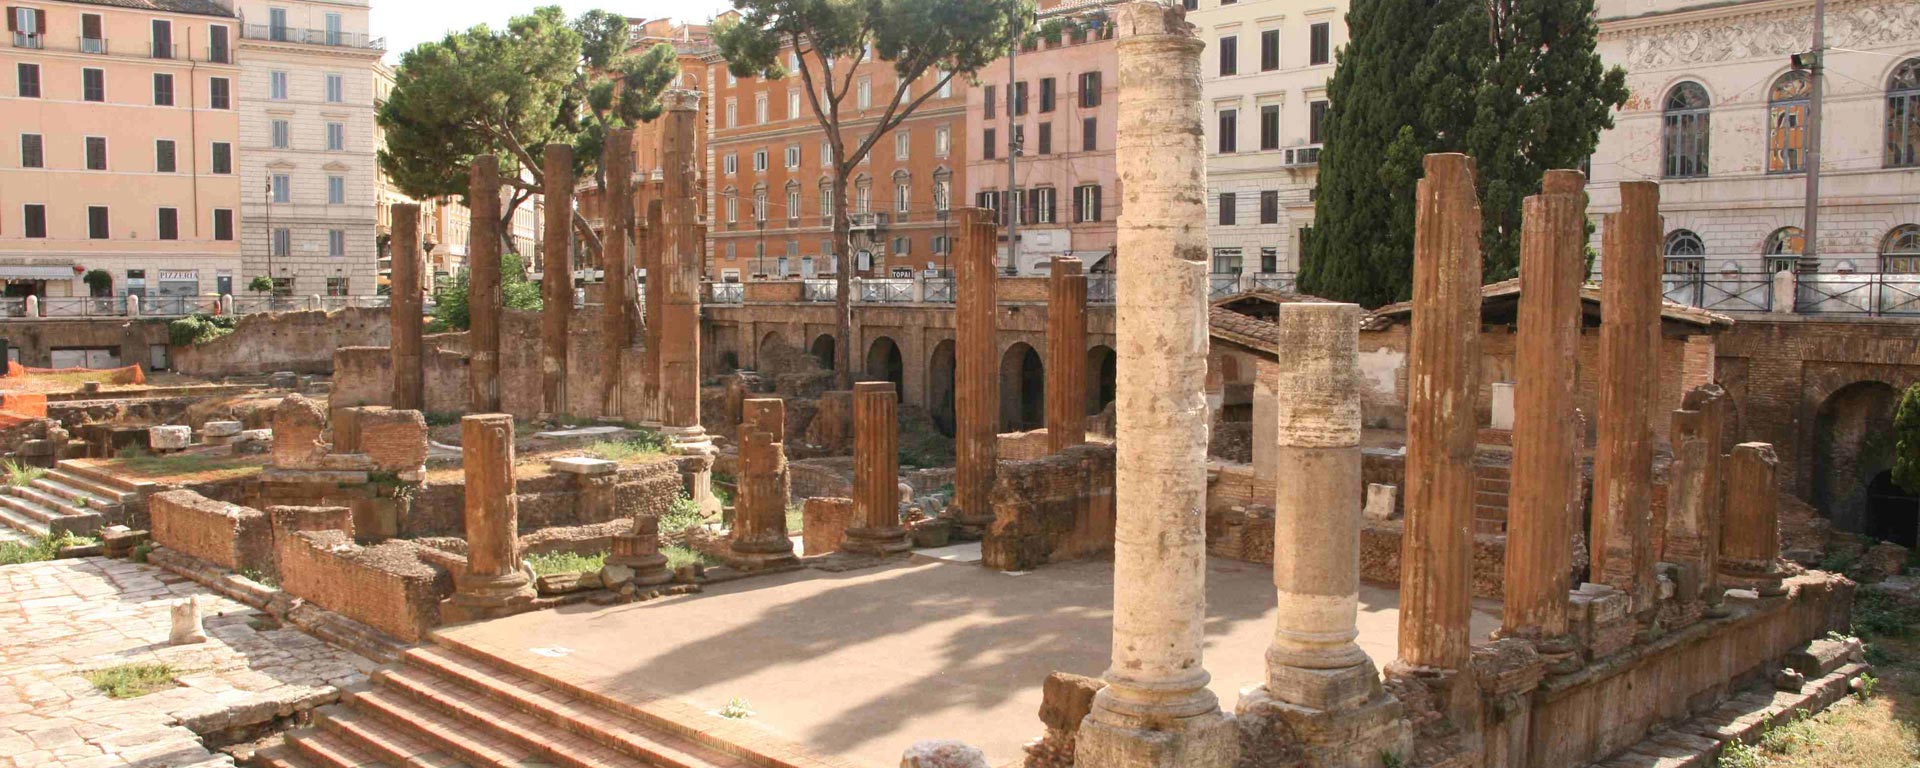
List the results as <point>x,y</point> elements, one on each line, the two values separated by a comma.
<point>1622,537</point>
<point>556,288</point>
<point>876,472</point>
<point>1066,369</point>
<point>595,480</point>
<point>483,286</point>
<point>1156,710</point>
<point>976,377</point>
<point>759,537</point>
<point>404,310</point>
<point>1750,543</point>
<point>1545,501</point>
<point>639,551</point>
<point>616,320</point>
<point>493,583</point>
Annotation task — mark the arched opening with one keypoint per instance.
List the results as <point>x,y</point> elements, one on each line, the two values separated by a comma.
<point>940,388</point>
<point>1892,513</point>
<point>729,361</point>
<point>1100,378</point>
<point>1853,444</point>
<point>822,350</point>
<point>769,351</point>
<point>883,364</point>
<point>1023,389</point>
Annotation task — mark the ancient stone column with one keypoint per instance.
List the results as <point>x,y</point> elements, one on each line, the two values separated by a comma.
<point>492,584</point>
<point>650,292</point>
<point>1156,709</point>
<point>616,324</point>
<point>1436,554</point>
<point>1629,379</point>
<point>1322,690</point>
<point>1546,447</point>
<point>680,264</point>
<point>976,371</point>
<point>876,472</point>
<point>1750,535</point>
<point>1066,369</point>
<point>483,286</point>
<point>404,310</point>
<point>760,508</point>
<point>556,288</point>
<point>1696,506</point>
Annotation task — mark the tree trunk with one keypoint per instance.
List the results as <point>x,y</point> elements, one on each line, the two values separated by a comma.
<point>843,285</point>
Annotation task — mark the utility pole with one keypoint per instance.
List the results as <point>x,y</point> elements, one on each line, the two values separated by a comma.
<point>1810,254</point>
<point>1013,152</point>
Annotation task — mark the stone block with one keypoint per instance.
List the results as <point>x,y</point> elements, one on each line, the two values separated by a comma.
<point>169,437</point>
<point>287,520</point>
<point>1066,698</point>
<point>395,440</point>
<point>824,523</point>
<point>214,429</point>
<point>582,465</point>
<point>227,535</point>
<point>297,427</point>
<point>943,754</point>
<point>1821,657</point>
<point>1383,501</point>
<point>1502,405</point>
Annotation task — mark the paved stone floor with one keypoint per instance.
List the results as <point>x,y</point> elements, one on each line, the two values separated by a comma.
<point>62,618</point>
<point>864,663</point>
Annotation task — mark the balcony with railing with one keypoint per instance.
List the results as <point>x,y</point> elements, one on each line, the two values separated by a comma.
<point>32,40</point>
<point>819,289</point>
<point>1872,294</point>
<point>727,293</point>
<point>328,37</point>
<point>940,290</point>
<point>886,291</point>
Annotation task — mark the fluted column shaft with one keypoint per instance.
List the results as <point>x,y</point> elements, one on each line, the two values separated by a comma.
<point>680,263</point>
<point>876,525</point>
<point>492,583</point>
<point>760,507</point>
<point>976,369</point>
<point>1629,378</point>
<point>404,313</point>
<point>1066,391</point>
<point>483,286</point>
<point>616,322</point>
<point>556,288</point>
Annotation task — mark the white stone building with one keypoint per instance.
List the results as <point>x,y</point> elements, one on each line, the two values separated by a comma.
<point>309,212</point>
<point>1718,116</point>
<point>1265,76</point>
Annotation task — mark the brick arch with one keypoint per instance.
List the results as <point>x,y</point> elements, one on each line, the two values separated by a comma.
<point>1853,428</point>
<point>1023,388</point>
<point>885,363</point>
<point>822,349</point>
<point>940,387</point>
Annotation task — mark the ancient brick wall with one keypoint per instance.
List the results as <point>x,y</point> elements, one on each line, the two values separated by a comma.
<point>548,500</point>
<point>304,342</point>
<point>1051,509</point>
<point>391,586</point>
<point>1023,446</point>
<point>228,535</point>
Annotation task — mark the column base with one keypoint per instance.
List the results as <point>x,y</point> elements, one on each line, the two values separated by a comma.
<point>970,527</point>
<point>487,597</point>
<point>641,553</point>
<point>1767,578</point>
<point>1210,740</point>
<point>761,554</point>
<point>690,441</point>
<point>877,541</point>
<point>1324,689</point>
<point>1361,735</point>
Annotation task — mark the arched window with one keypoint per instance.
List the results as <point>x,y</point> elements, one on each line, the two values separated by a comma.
<point>1787,123</point>
<point>1900,251</point>
<point>1686,255</point>
<point>1903,115</point>
<point>1686,131</point>
<point>1783,249</point>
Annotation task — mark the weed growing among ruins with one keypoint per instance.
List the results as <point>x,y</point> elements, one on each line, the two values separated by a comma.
<point>19,474</point>
<point>441,418</point>
<point>128,681</point>
<point>684,514</point>
<point>260,577</point>
<point>39,551</point>
<point>680,556</point>
<point>199,329</point>
<point>645,445</point>
<point>736,709</point>
<point>548,563</point>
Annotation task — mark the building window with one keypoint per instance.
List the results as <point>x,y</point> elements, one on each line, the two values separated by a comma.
<point>1086,203</point>
<point>282,134</point>
<point>169,223</point>
<point>863,196</point>
<point>29,81</point>
<point>29,27</point>
<point>760,109</point>
<point>1685,131</point>
<point>164,156</point>
<point>1043,205</point>
<point>336,190</point>
<point>1020,99</point>
<point>760,205</point>
<point>1047,94</point>
<point>793,202</point>
<point>1900,251</point>
<point>733,108</point>
<point>337,286</point>
<point>793,156</point>
<point>282,188</point>
<point>1903,115</point>
<point>92,37</point>
<point>34,221</point>
<point>96,153</point>
<point>282,241</point>
<point>162,89</point>
<point>1269,260</point>
<point>278,83</point>
<point>991,101</point>
<point>793,104</point>
<point>1229,56</point>
<point>336,89</point>
<point>902,196</point>
<point>1787,123</point>
<point>760,161</point>
<point>336,242</point>
<point>865,93</point>
<point>1316,122</point>
<point>219,47</point>
<point>1089,134</point>
<point>1269,50</point>
<point>1227,261</point>
<point>826,202</point>
<point>990,200</point>
<point>222,157</point>
<point>942,141</point>
<point>93,84</point>
<point>33,151</point>
<point>1269,206</point>
<point>97,224</point>
<point>1089,89</point>
<point>1229,130</point>
<point>989,141</point>
<point>223,224</point>
<point>336,136</point>
<point>733,205</point>
<point>1319,43</point>
<point>1269,126</point>
<point>220,93</point>
<point>162,39</point>
<point>1783,249</point>
<point>1227,201</point>
<point>1685,253</point>
<point>730,165</point>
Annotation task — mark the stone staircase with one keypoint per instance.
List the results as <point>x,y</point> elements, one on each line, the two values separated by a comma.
<point>72,498</point>
<point>443,706</point>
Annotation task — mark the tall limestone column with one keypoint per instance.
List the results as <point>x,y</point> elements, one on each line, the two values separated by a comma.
<point>760,508</point>
<point>680,265</point>
<point>492,584</point>
<point>1750,537</point>
<point>1436,554</point>
<point>1546,445</point>
<point>483,286</point>
<point>1322,690</point>
<point>556,288</point>
<point>650,301</point>
<point>616,324</point>
<point>1066,391</point>
<point>1629,378</point>
<point>876,528</point>
<point>1696,494</point>
<point>976,370</point>
<point>404,310</point>
<point>1156,710</point>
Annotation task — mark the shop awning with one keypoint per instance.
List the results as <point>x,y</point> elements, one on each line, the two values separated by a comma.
<point>36,272</point>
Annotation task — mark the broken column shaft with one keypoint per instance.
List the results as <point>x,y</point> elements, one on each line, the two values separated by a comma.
<point>760,507</point>
<point>1696,494</point>
<point>976,366</point>
<point>1066,389</point>
<point>1750,543</point>
<point>483,286</point>
<point>1629,376</point>
<point>876,472</point>
<point>556,285</point>
<point>404,312</point>
<point>492,584</point>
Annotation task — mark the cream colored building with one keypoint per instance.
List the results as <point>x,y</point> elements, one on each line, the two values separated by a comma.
<point>1718,116</point>
<point>118,148</point>
<point>310,210</point>
<point>1265,75</point>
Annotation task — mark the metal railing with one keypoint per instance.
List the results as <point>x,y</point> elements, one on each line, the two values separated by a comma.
<point>13,307</point>
<point>1875,294</point>
<point>1222,284</point>
<point>177,306</point>
<point>28,39</point>
<point>338,39</point>
<point>887,291</point>
<point>816,289</point>
<point>1100,288</point>
<point>727,293</point>
<point>1284,282</point>
<point>941,290</point>
<point>115,306</point>
<point>1723,292</point>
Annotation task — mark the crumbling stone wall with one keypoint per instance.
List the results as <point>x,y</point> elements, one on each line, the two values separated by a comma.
<point>303,342</point>
<point>1023,446</point>
<point>548,500</point>
<point>392,586</point>
<point>1051,509</point>
<point>227,535</point>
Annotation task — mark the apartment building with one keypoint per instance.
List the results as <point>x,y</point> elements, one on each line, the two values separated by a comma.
<point>1052,128</point>
<point>770,189</point>
<point>1265,74</point>
<point>118,140</point>
<point>309,210</point>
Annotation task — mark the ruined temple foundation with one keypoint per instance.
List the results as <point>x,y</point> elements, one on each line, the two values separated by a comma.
<point>1750,546</point>
<point>492,584</point>
<point>1622,540</point>
<point>1066,369</point>
<point>759,534</point>
<point>1323,696</point>
<point>976,373</point>
<point>876,528</point>
<point>1156,710</point>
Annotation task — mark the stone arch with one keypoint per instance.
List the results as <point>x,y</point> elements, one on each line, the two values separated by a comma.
<point>1853,443</point>
<point>1023,389</point>
<point>940,367</point>
<point>768,350</point>
<point>885,364</point>
<point>822,350</point>
<point>1102,378</point>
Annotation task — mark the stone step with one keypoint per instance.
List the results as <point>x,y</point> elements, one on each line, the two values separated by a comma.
<point>58,515</point>
<point>389,744</point>
<point>473,746</point>
<point>520,729</point>
<point>280,756</point>
<point>95,487</point>
<point>25,502</point>
<point>328,750</point>
<point>22,523</point>
<point>104,477</point>
<point>75,497</point>
<point>568,712</point>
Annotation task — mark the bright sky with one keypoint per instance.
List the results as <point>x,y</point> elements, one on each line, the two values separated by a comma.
<point>407,23</point>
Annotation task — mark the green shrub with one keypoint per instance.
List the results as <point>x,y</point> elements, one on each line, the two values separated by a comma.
<point>1906,452</point>
<point>39,550</point>
<point>129,681</point>
<point>19,474</point>
<point>516,292</point>
<point>199,329</point>
<point>1740,754</point>
<point>684,514</point>
<point>566,562</point>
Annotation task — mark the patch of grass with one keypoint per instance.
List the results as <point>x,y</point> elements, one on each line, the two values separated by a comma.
<point>207,468</point>
<point>683,515</point>
<point>646,445</point>
<point>1789,737</point>
<point>1877,614</point>
<point>1742,755</point>
<point>141,552</point>
<point>566,562</point>
<point>41,550</point>
<point>19,474</point>
<point>129,681</point>
<point>678,556</point>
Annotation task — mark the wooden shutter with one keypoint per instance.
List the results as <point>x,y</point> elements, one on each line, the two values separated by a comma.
<point>90,26</point>
<point>13,19</point>
<point>1096,204</point>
